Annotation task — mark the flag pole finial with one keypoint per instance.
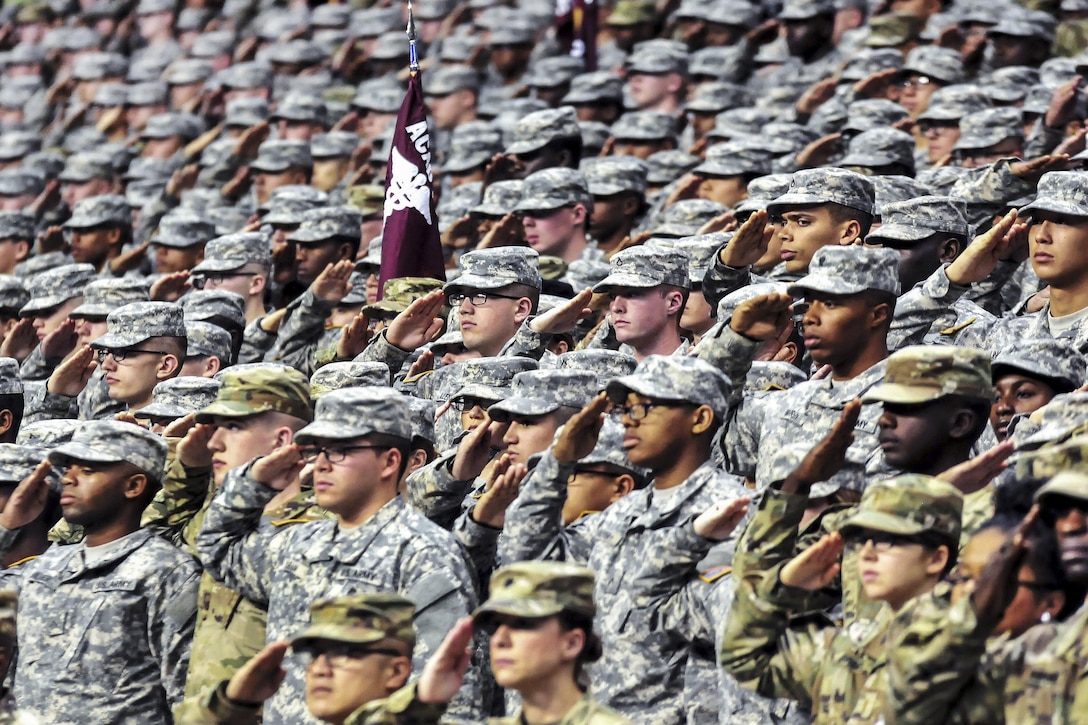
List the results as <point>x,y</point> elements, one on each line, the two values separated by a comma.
<point>413,58</point>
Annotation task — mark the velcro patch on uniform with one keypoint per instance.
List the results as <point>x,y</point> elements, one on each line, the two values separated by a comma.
<point>415,378</point>
<point>115,585</point>
<point>712,575</point>
<point>287,522</point>
<point>957,328</point>
<point>182,608</point>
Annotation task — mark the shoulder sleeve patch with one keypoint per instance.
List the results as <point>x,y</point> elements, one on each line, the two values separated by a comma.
<point>712,575</point>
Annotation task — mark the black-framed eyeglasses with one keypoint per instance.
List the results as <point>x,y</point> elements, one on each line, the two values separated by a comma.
<point>915,81</point>
<point>882,541</point>
<point>333,454</point>
<point>340,654</point>
<point>638,411</point>
<point>122,354</point>
<point>478,299</point>
<point>203,278</point>
<point>468,403</point>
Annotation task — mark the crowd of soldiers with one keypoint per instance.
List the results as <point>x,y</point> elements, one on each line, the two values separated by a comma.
<point>755,392</point>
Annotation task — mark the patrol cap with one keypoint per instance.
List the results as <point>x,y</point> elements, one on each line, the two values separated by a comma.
<point>356,412</point>
<point>942,64</point>
<point>178,397</point>
<point>19,181</point>
<point>111,441</point>
<point>245,76</point>
<point>538,589</point>
<point>1019,22</point>
<point>868,61</point>
<point>812,187</point>
<point>894,188</point>
<point>849,271</point>
<point>18,225</point>
<point>893,29</point>
<point>632,12</point>
<point>644,126</point>
<point>538,129</point>
<point>1056,362</point>
<point>423,410</point>
<point>675,378</point>
<point>922,373</point>
<point>1059,417</point>
<point>246,112</point>
<point>605,364</point>
<point>398,293</point>
<point>665,167</point>
<point>183,229</point>
<point>57,285</point>
<point>610,175</point>
<point>500,198</point>
<point>185,71</point>
<point>514,29</point>
<point>658,57</point>
<point>96,211</point>
<point>14,145</point>
<point>491,269</point>
<point>10,382</point>
<point>300,107</point>
<point>1067,484</point>
<point>805,9</point>
<point>686,217</point>
<point>372,262</point>
<point>539,392</point>
<point>206,305</point>
<point>367,199</point>
<point>763,190</point>
<point>96,66</point>
<point>873,113</point>
<point>1061,192</point>
<point>47,433</point>
<point>332,145</point>
<point>880,147</point>
<point>908,505</point>
<point>13,295</point>
<point>324,223</point>
<point>770,375</point>
<point>701,249</point>
<point>103,296</point>
<point>131,324</point>
<point>18,462</point>
<point>150,7</point>
<point>952,103</point>
<point>233,251</point>
<point>287,203</point>
<point>472,145</point>
<point>734,158</point>
<point>593,88</point>
<point>379,96</point>
<point>1011,84</point>
<point>920,218</point>
<point>553,188</point>
<point>338,375</point>
<point>205,339</point>
<point>716,97</point>
<point>294,52</point>
<point>249,390</point>
<point>646,266</point>
<point>489,378</point>
<point>553,71</point>
<point>276,155</point>
<point>610,451</point>
<point>989,127</point>
<point>361,619</point>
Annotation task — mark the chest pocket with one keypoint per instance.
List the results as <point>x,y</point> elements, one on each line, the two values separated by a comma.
<point>105,628</point>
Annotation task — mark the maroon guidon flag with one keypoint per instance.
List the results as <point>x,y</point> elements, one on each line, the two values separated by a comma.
<point>411,246</point>
<point>576,29</point>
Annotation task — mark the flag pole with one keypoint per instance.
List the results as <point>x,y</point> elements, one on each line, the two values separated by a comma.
<point>413,58</point>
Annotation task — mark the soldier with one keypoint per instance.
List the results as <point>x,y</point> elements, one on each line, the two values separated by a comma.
<point>656,74</point>
<point>17,462</point>
<point>1029,375</point>
<point>541,140</point>
<point>618,187</point>
<point>906,533</point>
<point>358,444</point>
<point>238,263</point>
<point>642,134</point>
<point>208,349</point>
<point>126,659</point>
<point>280,163</point>
<point>596,96</point>
<point>324,236</point>
<point>101,227</point>
<point>987,136</point>
<point>555,208</point>
<point>13,295</point>
<point>179,245</point>
<point>17,234</point>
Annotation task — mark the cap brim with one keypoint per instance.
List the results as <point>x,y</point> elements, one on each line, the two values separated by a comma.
<point>899,233</point>
<point>516,608</point>
<point>41,304</point>
<point>224,409</point>
<point>161,411</point>
<point>218,265</point>
<point>476,281</point>
<point>796,200</point>
<point>334,634</point>
<point>80,452</point>
<point>865,160</point>
<point>117,341</point>
<point>879,521</point>
<point>525,147</point>
<point>901,394</point>
<point>823,283</point>
<point>334,431</point>
<point>483,392</point>
<point>624,279</point>
<point>1056,206</point>
<point>512,407</point>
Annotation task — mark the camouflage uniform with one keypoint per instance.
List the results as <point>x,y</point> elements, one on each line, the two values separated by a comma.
<point>837,672</point>
<point>644,666</point>
<point>178,397</point>
<point>119,623</point>
<point>397,550</point>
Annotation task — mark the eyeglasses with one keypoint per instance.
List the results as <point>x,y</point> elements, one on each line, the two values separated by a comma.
<point>217,277</point>
<point>882,541</point>
<point>590,472</point>
<point>339,655</point>
<point>478,299</point>
<point>490,625</point>
<point>123,354</point>
<point>915,81</point>
<point>925,126</point>
<point>333,454</point>
<point>637,411</point>
<point>463,404</point>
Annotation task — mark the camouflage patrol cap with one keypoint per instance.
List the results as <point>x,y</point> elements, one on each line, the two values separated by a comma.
<point>13,294</point>
<point>489,378</point>
<point>300,107</point>
<point>644,126</point>
<point>111,441</point>
<point>361,619</point>
<point>942,64</point>
<point>907,505</point>
<point>184,71</point>
<point>500,198</point>
<point>538,129</point>
<point>538,589</point>
<point>1011,84</point>
<point>658,57</point>
<point>1061,192</point>
<point>19,181</point>
<point>553,188</point>
<point>1055,361</point>
<point>178,397</point>
<point>1058,419</point>
<point>19,461</point>
<point>893,29</point>
<point>716,97</point>
<point>14,145</point>
<point>17,225</point>
<point>1020,22</point>
<point>892,188</point>
<point>665,167</point>
<point>287,203</point>
<point>762,191</point>
<point>686,217</point>
<point>379,96</point>
<point>95,211</point>
<point>252,389</point>
<point>734,158</point>
<point>609,451</point>
<point>367,199</point>
<point>952,103</point>
<point>805,9</point>
<point>31,267</point>
<point>678,378</point>
<point>539,392</point>
<point>291,52</point>
<point>400,292</point>
<point>85,166</point>
<point>593,88</point>
<point>57,285</point>
<point>206,305</point>
<point>700,250</point>
<point>491,269</point>
<point>333,145</point>
<point>423,410</point>
<point>873,113</point>
<point>372,262</point>
<point>183,229</point>
<point>609,175</point>
<point>324,223</point>
<point>646,266</point>
<point>921,373</point>
<point>103,296</point>
<point>920,218</point>
<point>205,339</point>
<point>812,187</point>
<point>245,76</point>
<point>850,271</point>
<point>471,145</point>
<point>168,125</point>
<point>632,12</point>
<point>553,71</point>
<point>1067,484</point>
<point>867,61</point>
<point>989,127</point>
<point>605,364</point>
<point>276,155</point>
<point>96,66</point>
<point>47,433</point>
<point>131,324</point>
<point>356,412</point>
<point>10,382</point>
<point>246,112</point>
<point>338,375</point>
<point>234,251</point>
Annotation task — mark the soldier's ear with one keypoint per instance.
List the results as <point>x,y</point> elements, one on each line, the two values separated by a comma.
<point>136,485</point>
<point>949,249</point>
<point>702,420</point>
<point>622,485</point>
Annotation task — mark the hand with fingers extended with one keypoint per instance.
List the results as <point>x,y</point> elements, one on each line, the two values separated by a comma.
<point>171,286</point>
<point>816,95</point>
<point>61,341</point>
<point>719,522</point>
<point>1063,104</point>
<point>20,340</point>
<point>260,677</point>
<point>576,439</point>
<point>508,232</point>
<point>819,152</point>
<point>503,167</point>
<point>981,256</point>
<point>763,317</point>
<point>47,199</point>
<point>445,670</point>
<point>995,588</point>
<point>72,375</point>
<point>130,260</point>
<point>815,567</point>
<point>748,243</point>
<point>354,338</point>
<point>876,85</point>
<point>52,240</point>
<point>182,180</point>
<point>974,474</point>
<point>686,188</point>
<point>238,184</point>
<point>563,318</point>
<point>419,323</point>
<point>828,456</point>
<point>280,468</point>
<point>423,364</point>
<point>179,427</point>
<point>28,500</point>
<point>501,490</point>
<point>1031,170</point>
<point>334,282</point>
<point>193,448</point>
<point>724,222</point>
<point>473,452</point>
<point>251,139</point>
